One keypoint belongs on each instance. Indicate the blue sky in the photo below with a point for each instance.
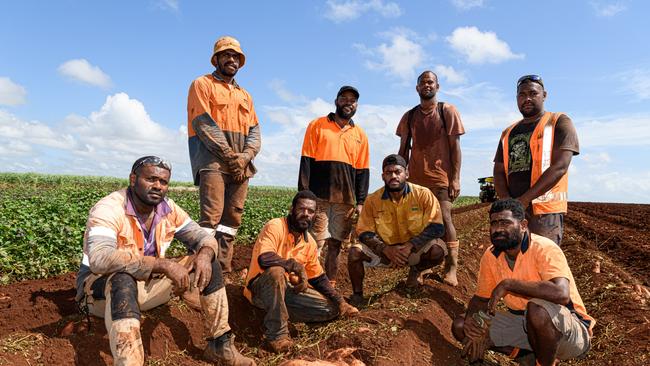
(87, 87)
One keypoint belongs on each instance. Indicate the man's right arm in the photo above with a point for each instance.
(205, 127)
(307, 158)
(103, 255)
(499, 173)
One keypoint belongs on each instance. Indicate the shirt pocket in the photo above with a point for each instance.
(415, 221)
(351, 146)
(244, 115)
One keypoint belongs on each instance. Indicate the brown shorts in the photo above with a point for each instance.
(441, 193)
(507, 329)
(547, 225)
(333, 220)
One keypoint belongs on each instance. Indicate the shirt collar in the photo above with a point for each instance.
(161, 209)
(330, 117)
(386, 194)
(525, 244)
(216, 75)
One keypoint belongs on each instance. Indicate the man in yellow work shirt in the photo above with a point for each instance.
(399, 226)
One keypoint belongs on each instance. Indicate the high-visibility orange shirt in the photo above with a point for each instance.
(276, 237)
(335, 161)
(540, 260)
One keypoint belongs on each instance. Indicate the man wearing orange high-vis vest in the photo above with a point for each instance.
(224, 137)
(532, 161)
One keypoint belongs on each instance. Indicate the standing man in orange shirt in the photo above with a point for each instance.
(335, 166)
(430, 143)
(224, 137)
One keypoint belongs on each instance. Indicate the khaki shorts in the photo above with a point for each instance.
(380, 260)
(333, 220)
(509, 329)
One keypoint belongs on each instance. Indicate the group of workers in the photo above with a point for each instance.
(406, 223)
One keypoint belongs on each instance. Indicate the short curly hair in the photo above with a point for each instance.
(509, 204)
(306, 194)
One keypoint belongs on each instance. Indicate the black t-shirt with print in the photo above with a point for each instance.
(520, 159)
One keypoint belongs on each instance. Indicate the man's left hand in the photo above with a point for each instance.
(454, 189)
(238, 164)
(497, 294)
(202, 265)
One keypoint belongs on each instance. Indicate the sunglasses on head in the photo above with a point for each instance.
(533, 78)
(151, 160)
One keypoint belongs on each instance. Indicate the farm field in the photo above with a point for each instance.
(39, 323)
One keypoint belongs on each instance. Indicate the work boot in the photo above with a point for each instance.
(222, 351)
(413, 280)
(526, 358)
(280, 345)
(126, 343)
(451, 264)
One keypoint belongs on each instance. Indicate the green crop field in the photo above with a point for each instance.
(43, 217)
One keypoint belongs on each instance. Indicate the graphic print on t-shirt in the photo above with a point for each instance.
(519, 150)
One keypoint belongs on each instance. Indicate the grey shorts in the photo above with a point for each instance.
(548, 225)
(507, 329)
(333, 220)
(379, 260)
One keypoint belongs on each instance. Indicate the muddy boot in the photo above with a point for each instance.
(451, 264)
(126, 343)
(222, 351)
(413, 280)
(280, 345)
(526, 358)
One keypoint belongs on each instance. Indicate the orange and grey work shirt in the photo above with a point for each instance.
(335, 161)
(276, 237)
(540, 259)
(114, 240)
(221, 121)
(416, 217)
(430, 159)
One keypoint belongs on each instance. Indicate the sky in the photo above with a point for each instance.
(88, 87)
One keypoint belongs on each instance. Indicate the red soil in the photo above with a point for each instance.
(39, 323)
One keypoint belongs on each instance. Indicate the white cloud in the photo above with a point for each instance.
(104, 143)
(608, 9)
(11, 93)
(400, 57)
(167, 4)
(467, 4)
(632, 130)
(480, 47)
(636, 82)
(81, 70)
(450, 74)
(341, 11)
(278, 87)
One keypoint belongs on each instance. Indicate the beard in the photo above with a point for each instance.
(299, 225)
(506, 240)
(398, 189)
(427, 95)
(342, 114)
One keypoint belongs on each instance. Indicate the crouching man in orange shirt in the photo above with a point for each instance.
(546, 318)
(285, 277)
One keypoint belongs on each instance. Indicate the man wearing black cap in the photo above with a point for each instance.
(532, 160)
(335, 166)
(399, 226)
